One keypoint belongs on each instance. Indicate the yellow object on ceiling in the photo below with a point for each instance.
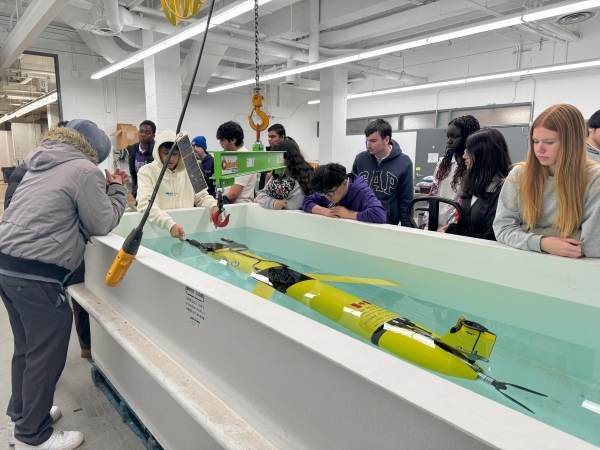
(176, 10)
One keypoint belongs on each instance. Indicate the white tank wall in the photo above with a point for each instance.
(303, 385)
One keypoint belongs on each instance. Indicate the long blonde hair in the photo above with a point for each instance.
(570, 176)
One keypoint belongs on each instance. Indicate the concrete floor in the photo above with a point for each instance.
(84, 406)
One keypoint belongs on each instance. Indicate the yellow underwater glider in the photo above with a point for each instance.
(454, 354)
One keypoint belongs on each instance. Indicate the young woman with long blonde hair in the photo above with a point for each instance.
(551, 202)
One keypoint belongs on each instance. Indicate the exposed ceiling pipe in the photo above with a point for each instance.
(273, 68)
(111, 12)
(356, 79)
(134, 3)
(314, 16)
(561, 32)
(216, 38)
(540, 29)
(284, 41)
(517, 48)
(19, 4)
(267, 49)
(290, 80)
(389, 74)
(104, 46)
(83, 4)
(128, 41)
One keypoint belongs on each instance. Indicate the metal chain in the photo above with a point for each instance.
(256, 86)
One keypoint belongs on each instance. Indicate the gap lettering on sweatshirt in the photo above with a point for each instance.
(380, 182)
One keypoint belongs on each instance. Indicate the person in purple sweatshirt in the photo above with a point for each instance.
(343, 195)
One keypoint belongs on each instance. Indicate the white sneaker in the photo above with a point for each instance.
(55, 413)
(60, 440)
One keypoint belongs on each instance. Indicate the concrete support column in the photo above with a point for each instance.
(314, 16)
(332, 114)
(162, 81)
(53, 116)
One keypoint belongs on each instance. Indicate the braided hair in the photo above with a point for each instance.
(467, 126)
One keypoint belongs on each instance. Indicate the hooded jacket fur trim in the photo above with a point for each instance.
(72, 137)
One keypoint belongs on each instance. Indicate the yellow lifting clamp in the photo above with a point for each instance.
(257, 97)
(257, 100)
(176, 10)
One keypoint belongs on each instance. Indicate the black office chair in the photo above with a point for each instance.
(433, 207)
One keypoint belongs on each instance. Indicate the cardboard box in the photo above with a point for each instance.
(126, 135)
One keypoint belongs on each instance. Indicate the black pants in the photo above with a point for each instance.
(41, 320)
(82, 318)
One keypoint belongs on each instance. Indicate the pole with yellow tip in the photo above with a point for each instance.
(130, 247)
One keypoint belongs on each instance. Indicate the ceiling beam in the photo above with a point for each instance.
(37, 16)
(133, 4)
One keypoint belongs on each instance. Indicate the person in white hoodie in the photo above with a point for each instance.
(175, 190)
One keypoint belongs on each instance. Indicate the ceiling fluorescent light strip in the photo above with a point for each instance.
(223, 15)
(490, 25)
(52, 97)
(478, 79)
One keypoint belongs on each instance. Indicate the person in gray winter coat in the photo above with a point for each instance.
(61, 201)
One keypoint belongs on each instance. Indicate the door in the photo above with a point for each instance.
(517, 141)
(431, 146)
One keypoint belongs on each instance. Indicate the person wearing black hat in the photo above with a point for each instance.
(61, 202)
(207, 161)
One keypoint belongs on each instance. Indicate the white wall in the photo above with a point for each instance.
(25, 139)
(7, 156)
(489, 54)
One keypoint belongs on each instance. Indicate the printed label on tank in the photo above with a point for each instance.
(229, 164)
(372, 317)
(195, 306)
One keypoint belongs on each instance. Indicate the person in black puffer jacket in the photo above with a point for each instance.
(488, 163)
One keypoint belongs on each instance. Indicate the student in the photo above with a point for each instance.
(175, 191)
(551, 202)
(593, 141)
(275, 133)
(341, 195)
(141, 153)
(207, 161)
(287, 191)
(81, 316)
(387, 171)
(450, 169)
(488, 164)
(61, 201)
(231, 138)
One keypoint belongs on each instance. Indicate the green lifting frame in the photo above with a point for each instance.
(229, 165)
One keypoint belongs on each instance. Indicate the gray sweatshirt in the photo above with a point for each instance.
(294, 199)
(508, 223)
(62, 201)
(593, 153)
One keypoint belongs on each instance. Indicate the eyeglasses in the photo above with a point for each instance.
(331, 193)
